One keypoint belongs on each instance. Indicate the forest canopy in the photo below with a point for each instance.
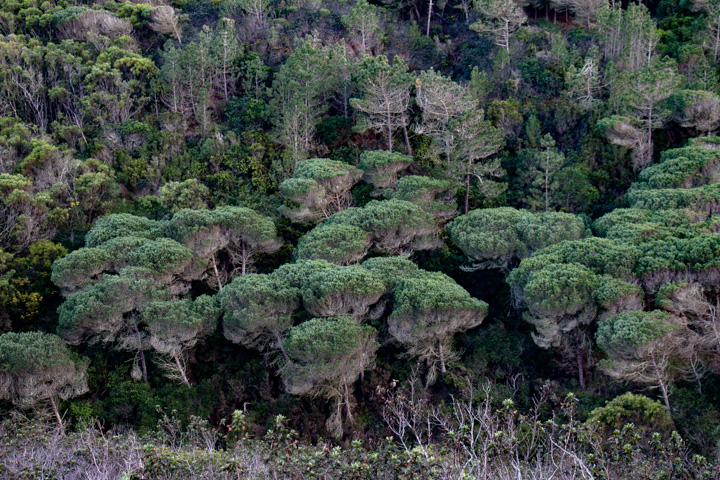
(387, 238)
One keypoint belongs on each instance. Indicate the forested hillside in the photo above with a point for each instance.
(314, 239)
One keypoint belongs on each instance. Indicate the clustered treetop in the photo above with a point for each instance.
(319, 187)
(499, 237)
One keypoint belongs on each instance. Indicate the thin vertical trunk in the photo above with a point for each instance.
(547, 179)
(442, 357)
(244, 259)
(467, 192)
(217, 274)
(57, 415)
(663, 387)
(430, 9)
(346, 398)
(407, 140)
(581, 372)
(389, 125)
(507, 36)
(141, 354)
(181, 370)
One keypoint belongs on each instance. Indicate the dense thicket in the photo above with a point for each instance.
(371, 218)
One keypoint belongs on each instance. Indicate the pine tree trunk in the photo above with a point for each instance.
(143, 365)
(57, 415)
(346, 398)
(407, 140)
(467, 193)
(430, 9)
(581, 372)
(442, 357)
(389, 128)
(663, 387)
(244, 259)
(181, 370)
(217, 274)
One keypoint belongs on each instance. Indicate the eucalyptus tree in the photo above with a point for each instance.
(538, 173)
(299, 96)
(643, 94)
(257, 310)
(326, 357)
(477, 140)
(441, 102)
(318, 188)
(36, 367)
(428, 310)
(164, 20)
(585, 10)
(385, 97)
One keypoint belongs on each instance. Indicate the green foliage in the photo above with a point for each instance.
(319, 187)
(381, 168)
(257, 309)
(428, 309)
(325, 351)
(350, 290)
(391, 270)
(337, 243)
(631, 408)
(624, 333)
(436, 197)
(37, 366)
(498, 237)
(394, 226)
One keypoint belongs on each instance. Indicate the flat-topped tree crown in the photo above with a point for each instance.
(350, 290)
(319, 187)
(499, 237)
(326, 356)
(257, 310)
(122, 225)
(395, 226)
(337, 243)
(241, 232)
(108, 311)
(166, 260)
(436, 197)
(391, 270)
(36, 367)
(652, 348)
(175, 326)
(429, 309)
(381, 168)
